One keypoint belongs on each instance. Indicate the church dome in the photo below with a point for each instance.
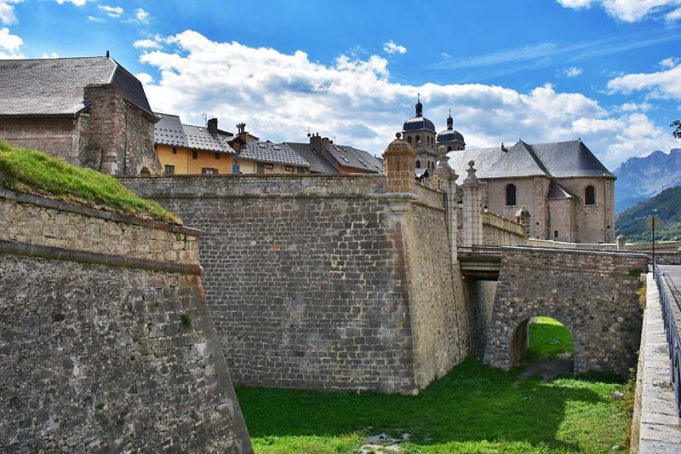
(449, 134)
(419, 122)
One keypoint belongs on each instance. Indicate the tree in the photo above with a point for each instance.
(677, 125)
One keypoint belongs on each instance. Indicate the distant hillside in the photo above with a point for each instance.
(641, 178)
(632, 222)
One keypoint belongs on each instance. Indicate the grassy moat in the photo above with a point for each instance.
(474, 409)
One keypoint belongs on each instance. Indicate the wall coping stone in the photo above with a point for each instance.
(71, 255)
(94, 212)
(574, 251)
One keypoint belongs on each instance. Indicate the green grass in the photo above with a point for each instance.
(548, 338)
(474, 409)
(38, 173)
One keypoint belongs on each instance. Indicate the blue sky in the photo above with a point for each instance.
(608, 71)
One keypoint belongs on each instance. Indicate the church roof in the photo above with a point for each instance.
(54, 86)
(449, 135)
(556, 159)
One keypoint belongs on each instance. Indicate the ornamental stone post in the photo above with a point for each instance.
(472, 215)
(447, 177)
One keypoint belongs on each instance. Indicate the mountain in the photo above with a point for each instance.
(666, 205)
(641, 178)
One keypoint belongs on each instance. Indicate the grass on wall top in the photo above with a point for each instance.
(38, 173)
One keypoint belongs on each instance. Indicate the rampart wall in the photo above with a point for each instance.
(499, 231)
(324, 282)
(107, 343)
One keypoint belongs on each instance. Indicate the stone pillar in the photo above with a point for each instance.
(447, 181)
(472, 211)
(399, 166)
(621, 243)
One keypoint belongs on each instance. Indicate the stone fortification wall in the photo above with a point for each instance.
(499, 231)
(592, 293)
(439, 325)
(106, 351)
(480, 297)
(322, 282)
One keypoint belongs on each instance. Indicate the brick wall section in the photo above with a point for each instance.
(310, 278)
(36, 220)
(592, 293)
(95, 346)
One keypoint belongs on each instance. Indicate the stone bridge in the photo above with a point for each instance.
(593, 293)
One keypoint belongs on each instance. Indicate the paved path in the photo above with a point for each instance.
(672, 275)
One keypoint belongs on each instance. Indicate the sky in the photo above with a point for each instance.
(605, 71)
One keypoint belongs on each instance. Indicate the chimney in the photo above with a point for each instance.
(316, 143)
(325, 143)
(241, 128)
(213, 126)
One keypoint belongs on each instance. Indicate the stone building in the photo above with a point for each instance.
(90, 111)
(563, 192)
(559, 191)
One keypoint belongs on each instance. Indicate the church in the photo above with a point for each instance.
(560, 190)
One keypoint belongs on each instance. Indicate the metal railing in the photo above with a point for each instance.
(668, 299)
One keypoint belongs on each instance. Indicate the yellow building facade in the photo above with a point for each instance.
(184, 161)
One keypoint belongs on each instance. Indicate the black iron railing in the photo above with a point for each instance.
(669, 305)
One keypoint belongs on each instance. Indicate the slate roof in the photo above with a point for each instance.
(556, 159)
(55, 86)
(418, 124)
(275, 153)
(168, 131)
(318, 163)
(357, 159)
(557, 192)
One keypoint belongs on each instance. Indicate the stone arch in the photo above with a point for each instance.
(145, 171)
(518, 340)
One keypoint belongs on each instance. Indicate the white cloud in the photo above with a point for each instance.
(663, 84)
(669, 62)
(74, 2)
(144, 78)
(10, 45)
(573, 71)
(629, 10)
(112, 11)
(633, 107)
(7, 14)
(281, 95)
(95, 19)
(142, 16)
(146, 44)
(673, 15)
(392, 47)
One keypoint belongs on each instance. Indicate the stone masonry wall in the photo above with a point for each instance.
(592, 293)
(499, 231)
(311, 279)
(437, 303)
(59, 136)
(106, 352)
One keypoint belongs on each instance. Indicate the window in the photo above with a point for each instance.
(418, 139)
(409, 139)
(288, 168)
(217, 155)
(590, 196)
(302, 170)
(510, 195)
(209, 171)
(169, 170)
(195, 154)
(260, 169)
(174, 150)
(236, 168)
(555, 234)
(418, 164)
